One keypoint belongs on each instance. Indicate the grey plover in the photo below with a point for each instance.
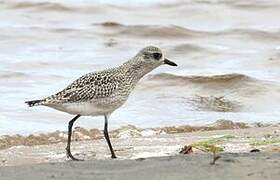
(101, 93)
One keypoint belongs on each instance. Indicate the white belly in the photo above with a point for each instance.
(83, 108)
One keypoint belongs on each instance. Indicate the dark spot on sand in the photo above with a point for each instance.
(230, 160)
(110, 24)
(51, 176)
(250, 174)
(140, 159)
(255, 150)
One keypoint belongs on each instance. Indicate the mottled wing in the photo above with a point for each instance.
(91, 86)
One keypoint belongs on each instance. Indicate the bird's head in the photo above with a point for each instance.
(153, 56)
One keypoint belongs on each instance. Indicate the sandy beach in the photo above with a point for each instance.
(257, 166)
(249, 153)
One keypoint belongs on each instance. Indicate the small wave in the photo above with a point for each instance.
(242, 93)
(172, 31)
(10, 79)
(12, 75)
(252, 33)
(187, 48)
(250, 4)
(150, 30)
(213, 103)
(44, 6)
(201, 79)
(109, 24)
(64, 30)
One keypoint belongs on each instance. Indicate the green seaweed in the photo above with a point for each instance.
(265, 142)
(205, 146)
(212, 145)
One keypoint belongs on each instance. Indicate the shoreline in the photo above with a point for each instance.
(82, 134)
(264, 139)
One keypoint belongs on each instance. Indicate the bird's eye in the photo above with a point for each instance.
(157, 56)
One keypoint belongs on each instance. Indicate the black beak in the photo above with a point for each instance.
(166, 61)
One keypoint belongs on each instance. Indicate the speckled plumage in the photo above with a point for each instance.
(104, 91)
(100, 93)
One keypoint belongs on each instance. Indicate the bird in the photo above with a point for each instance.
(100, 93)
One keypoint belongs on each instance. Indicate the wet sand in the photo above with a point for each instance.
(231, 166)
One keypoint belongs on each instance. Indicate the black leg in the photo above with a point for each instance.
(68, 149)
(107, 138)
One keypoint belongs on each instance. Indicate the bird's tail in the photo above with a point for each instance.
(34, 103)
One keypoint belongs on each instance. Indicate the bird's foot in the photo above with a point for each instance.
(69, 155)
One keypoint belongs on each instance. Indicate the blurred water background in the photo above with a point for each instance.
(228, 52)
